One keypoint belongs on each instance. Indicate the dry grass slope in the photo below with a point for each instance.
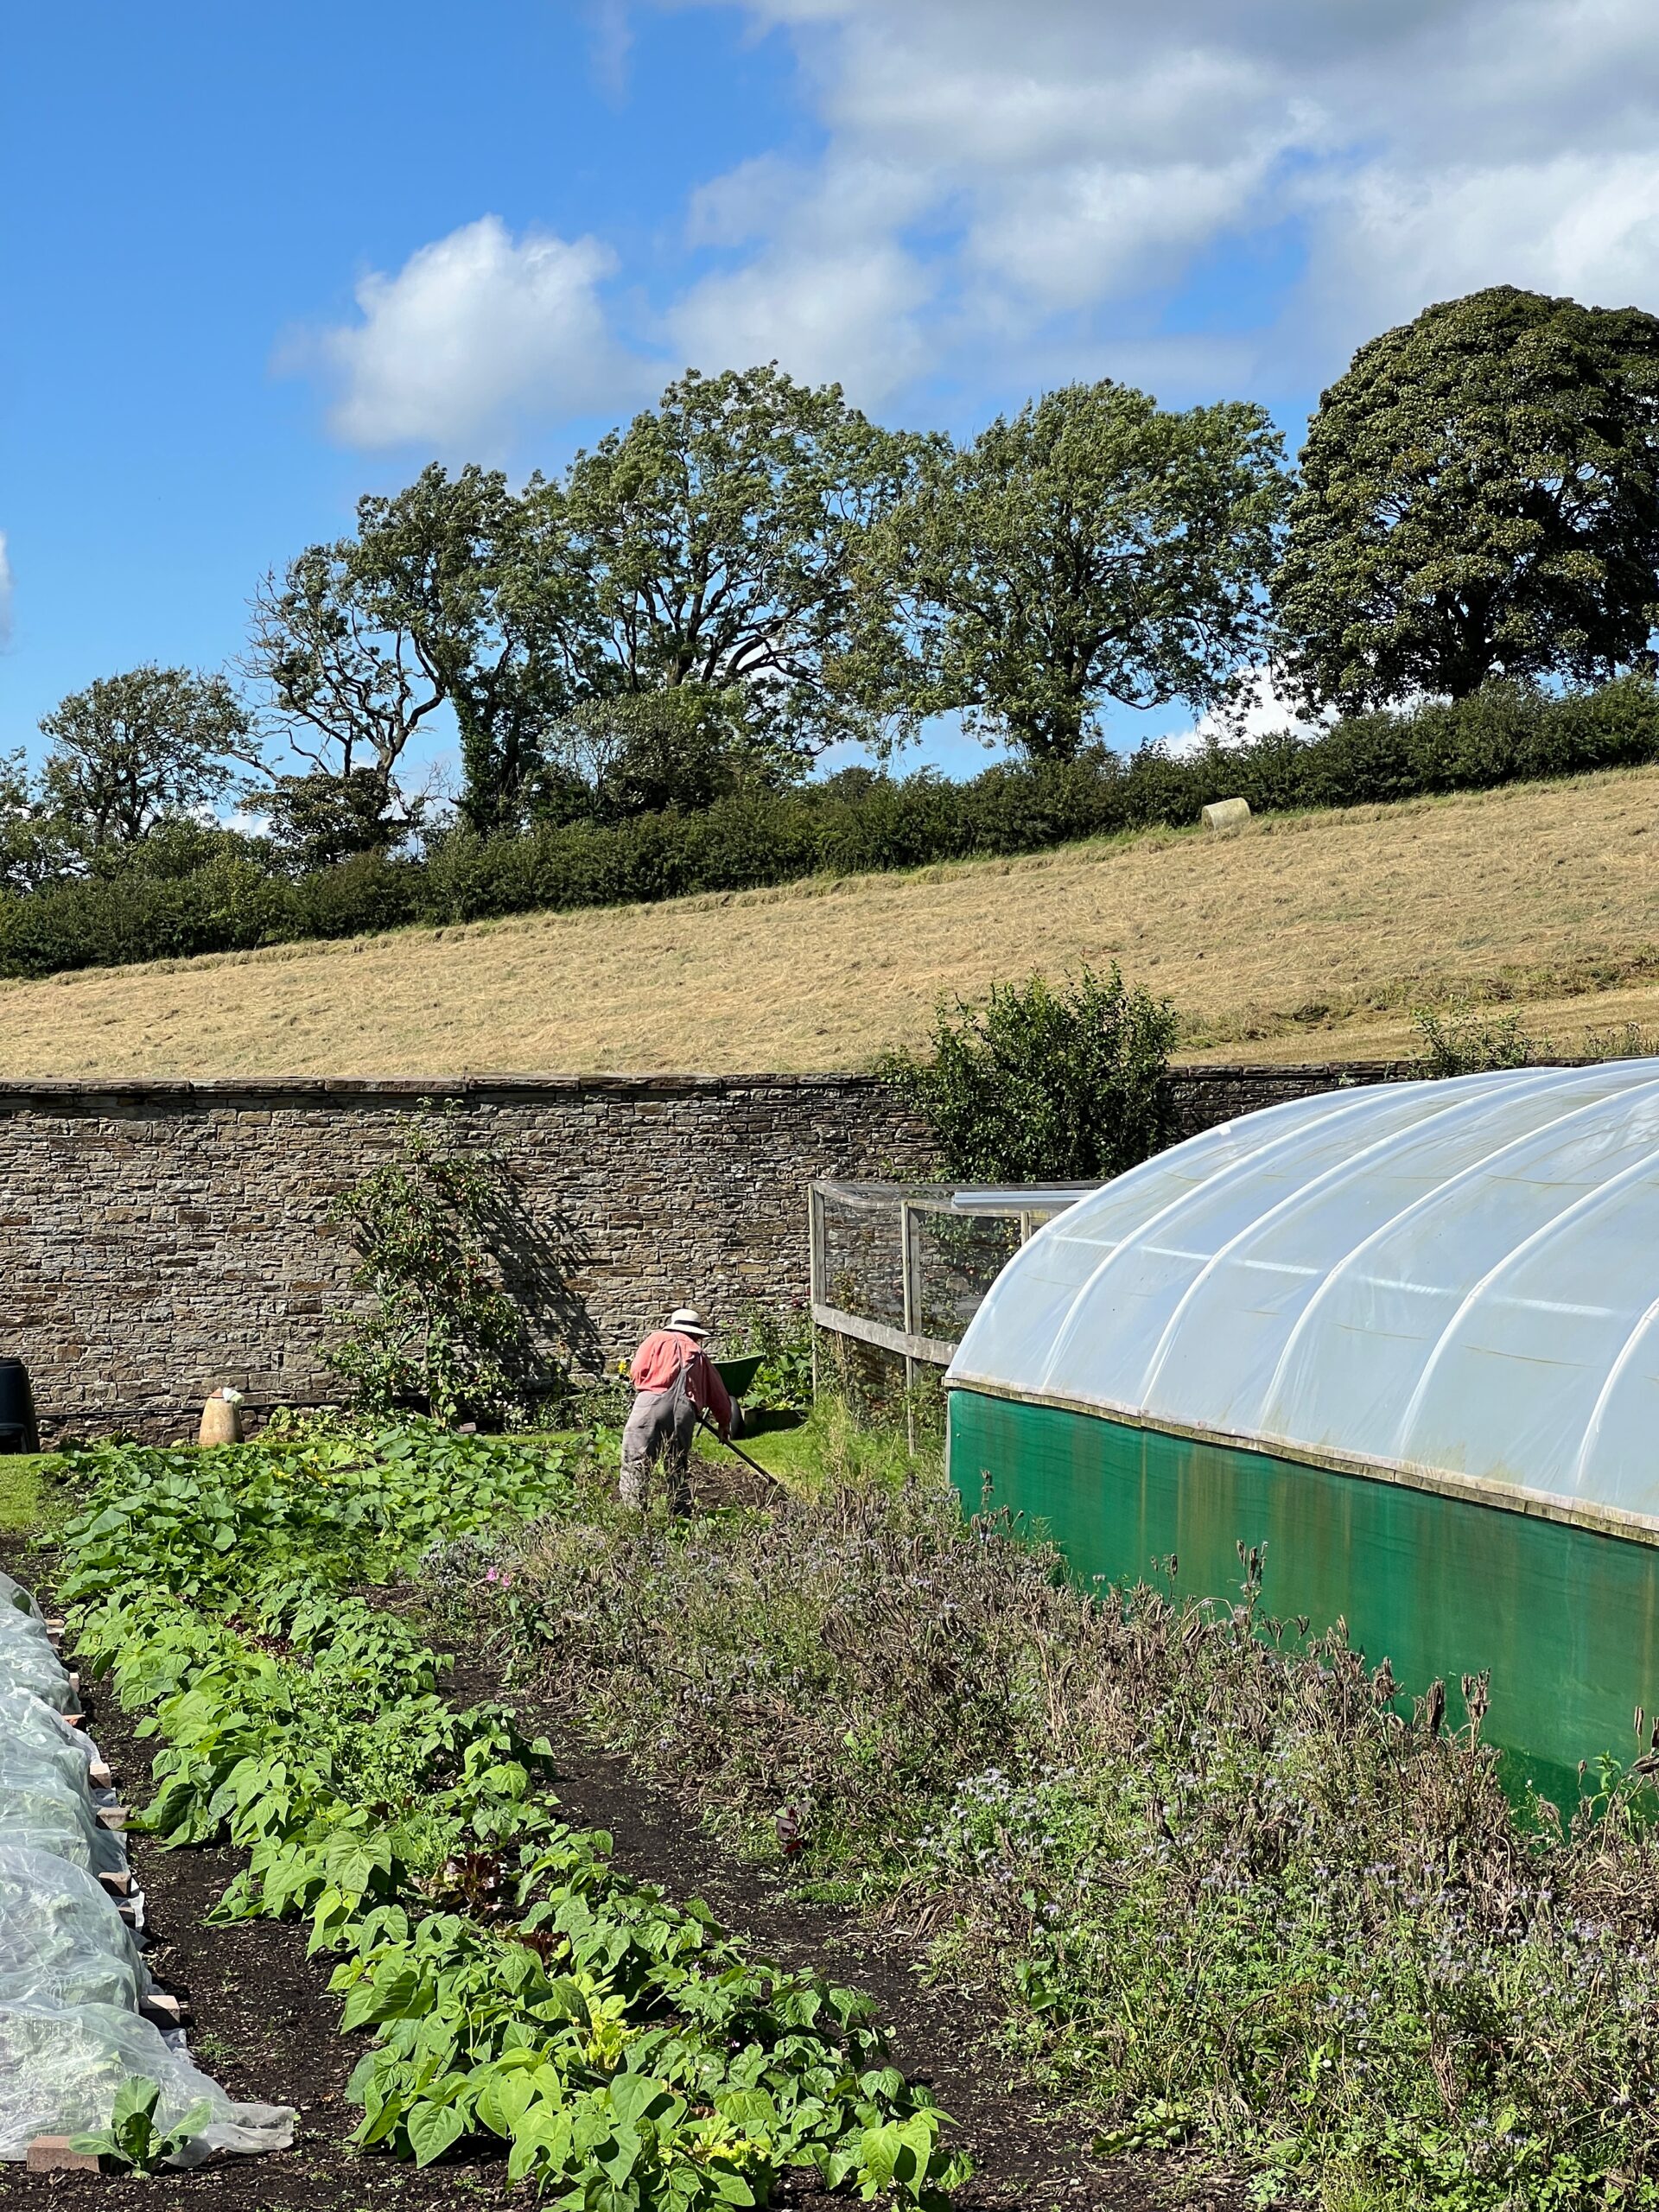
(1305, 936)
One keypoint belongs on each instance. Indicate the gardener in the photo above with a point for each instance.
(675, 1381)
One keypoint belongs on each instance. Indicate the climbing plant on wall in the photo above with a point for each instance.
(437, 1324)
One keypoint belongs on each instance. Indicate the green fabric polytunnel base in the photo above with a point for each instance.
(1566, 1619)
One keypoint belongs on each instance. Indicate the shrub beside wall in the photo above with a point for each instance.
(1502, 735)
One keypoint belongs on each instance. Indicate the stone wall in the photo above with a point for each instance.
(1199, 1098)
(160, 1238)
(157, 1239)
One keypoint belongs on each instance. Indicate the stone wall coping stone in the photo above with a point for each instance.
(165, 1090)
(1288, 1070)
(395, 1089)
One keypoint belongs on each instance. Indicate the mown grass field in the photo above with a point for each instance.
(1304, 937)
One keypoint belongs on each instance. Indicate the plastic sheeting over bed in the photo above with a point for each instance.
(1460, 1276)
(72, 1975)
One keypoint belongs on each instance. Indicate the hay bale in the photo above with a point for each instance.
(1227, 814)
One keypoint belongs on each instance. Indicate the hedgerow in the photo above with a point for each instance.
(514, 1985)
(1235, 1891)
(1502, 733)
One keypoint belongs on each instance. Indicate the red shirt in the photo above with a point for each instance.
(657, 1364)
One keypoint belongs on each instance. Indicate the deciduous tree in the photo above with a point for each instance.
(634, 753)
(499, 611)
(1095, 547)
(720, 532)
(1479, 497)
(345, 677)
(134, 750)
(318, 820)
(37, 847)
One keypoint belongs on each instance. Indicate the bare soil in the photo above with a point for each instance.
(266, 2026)
(1303, 936)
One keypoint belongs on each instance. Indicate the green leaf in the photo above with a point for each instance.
(730, 2188)
(431, 2129)
(635, 2097)
(400, 1995)
(542, 2137)
(504, 2098)
(751, 2110)
(136, 2099)
(351, 1861)
(385, 2122)
(190, 2125)
(624, 2155)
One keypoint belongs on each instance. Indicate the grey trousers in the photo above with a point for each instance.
(660, 1427)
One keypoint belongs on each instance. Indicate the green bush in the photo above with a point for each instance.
(1502, 733)
(1463, 1039)
(1042, 1083)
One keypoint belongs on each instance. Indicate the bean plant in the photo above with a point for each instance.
(513, 1988)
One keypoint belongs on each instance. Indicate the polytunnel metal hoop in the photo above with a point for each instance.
(1420, 1206)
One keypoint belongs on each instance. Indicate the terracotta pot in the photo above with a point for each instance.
(221, 1423)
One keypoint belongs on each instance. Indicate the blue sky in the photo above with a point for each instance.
(258, 262)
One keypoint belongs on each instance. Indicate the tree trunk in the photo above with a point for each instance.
(1055, 734)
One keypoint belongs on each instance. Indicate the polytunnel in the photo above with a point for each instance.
(1405, 1335)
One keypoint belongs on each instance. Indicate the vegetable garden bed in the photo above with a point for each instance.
(513, 1999)
(267, 2025)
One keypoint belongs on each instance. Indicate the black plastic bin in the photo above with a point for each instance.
(18, 1430)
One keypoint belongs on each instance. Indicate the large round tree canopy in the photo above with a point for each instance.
(1479, 498)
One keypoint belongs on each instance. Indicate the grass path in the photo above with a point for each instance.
(23, 1501)
(1306, 937)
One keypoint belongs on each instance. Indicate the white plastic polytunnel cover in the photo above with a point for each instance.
(1458, 1276)
(72, 1980)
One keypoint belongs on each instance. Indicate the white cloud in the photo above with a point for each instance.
(611, 41)
(1263, 711)
(1058, 166)
(1389, 240)
(831, 293)
(475, 332)
(848, 317)
(5, 593)
(1008, 192)
(1100, 230)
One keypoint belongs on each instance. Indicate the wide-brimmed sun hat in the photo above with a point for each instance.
(688, 1322)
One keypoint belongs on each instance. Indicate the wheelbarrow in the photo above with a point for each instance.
(738, 1376)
